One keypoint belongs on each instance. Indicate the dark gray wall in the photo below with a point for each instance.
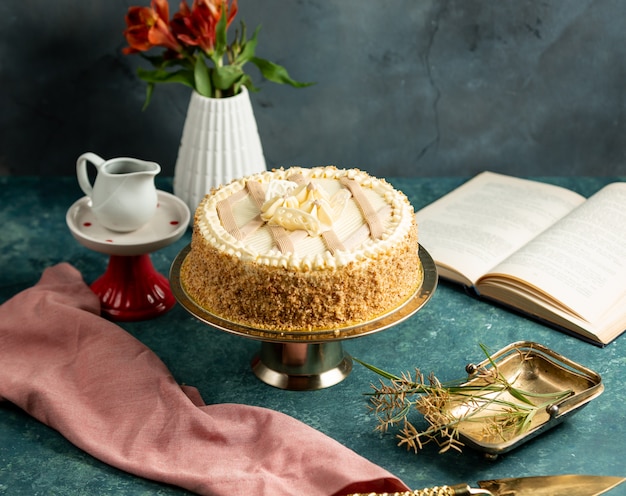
(404, 87)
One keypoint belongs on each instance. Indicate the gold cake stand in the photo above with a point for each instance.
(305, 360)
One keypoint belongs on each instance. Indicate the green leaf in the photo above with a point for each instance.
(488, 355)
(159, 62)
(401, 414)
(517, 394)
(226, 76)
(248, 48)
(276, 73)
(528, 421)
(155, 60)
(246, 81)
(381, 372)
(183, 76)
(202, 78)
(149, 91)
(221, 42)
(160, 76)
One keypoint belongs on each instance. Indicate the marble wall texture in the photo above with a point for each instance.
(403, 87)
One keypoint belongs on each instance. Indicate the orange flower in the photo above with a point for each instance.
(197, 52)
(215, 8)
(148, 27)
(197, 26)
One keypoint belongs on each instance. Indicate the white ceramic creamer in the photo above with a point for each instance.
(123, 196)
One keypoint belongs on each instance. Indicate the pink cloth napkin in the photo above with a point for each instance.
(112, 397)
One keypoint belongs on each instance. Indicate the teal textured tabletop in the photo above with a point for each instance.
(442, 337)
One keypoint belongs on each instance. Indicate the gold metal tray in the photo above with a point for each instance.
(532, 367)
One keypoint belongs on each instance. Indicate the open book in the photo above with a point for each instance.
(538, 248)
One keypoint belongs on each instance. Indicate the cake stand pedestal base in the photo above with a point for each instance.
(302, 366)
(131, 289)
(303, 360)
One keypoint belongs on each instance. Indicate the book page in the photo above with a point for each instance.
(479, 224)
(581, 260)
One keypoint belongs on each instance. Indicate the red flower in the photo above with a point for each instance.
(197, 26)
(197, 52)
(148, 27)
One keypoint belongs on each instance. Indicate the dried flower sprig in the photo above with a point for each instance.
(486, 397)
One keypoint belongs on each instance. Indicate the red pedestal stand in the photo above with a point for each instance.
(131, 289)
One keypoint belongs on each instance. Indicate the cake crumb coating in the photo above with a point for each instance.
(277, 298)
(288, 298)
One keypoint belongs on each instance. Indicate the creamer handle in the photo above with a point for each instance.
(81, 170)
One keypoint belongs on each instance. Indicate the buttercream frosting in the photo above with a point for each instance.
(305, 218)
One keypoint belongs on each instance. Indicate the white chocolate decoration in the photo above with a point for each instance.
(306, 207)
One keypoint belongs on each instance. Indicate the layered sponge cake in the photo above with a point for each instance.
(303, 249)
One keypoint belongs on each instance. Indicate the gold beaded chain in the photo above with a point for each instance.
(457, 490)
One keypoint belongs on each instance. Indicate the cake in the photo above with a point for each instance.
(303, 249)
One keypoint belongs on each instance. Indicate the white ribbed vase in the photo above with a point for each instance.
(220, 142)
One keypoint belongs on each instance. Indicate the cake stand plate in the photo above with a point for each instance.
(305, 359)
(131, 289)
